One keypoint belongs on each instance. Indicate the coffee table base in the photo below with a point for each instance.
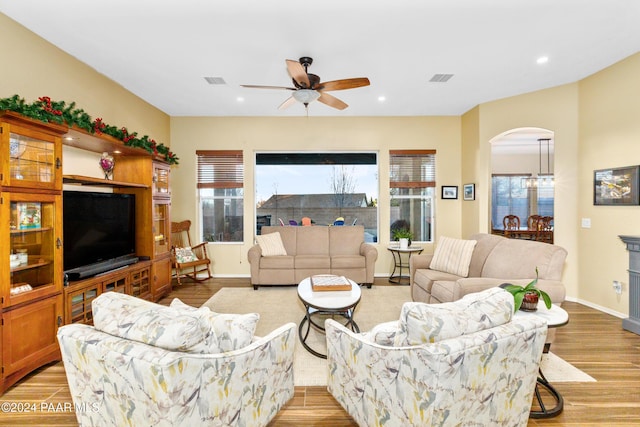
(308, 321)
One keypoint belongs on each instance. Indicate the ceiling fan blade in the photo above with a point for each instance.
(268, 87)
(332, 101)
(298, 73)
(287, 103)
(344, 84)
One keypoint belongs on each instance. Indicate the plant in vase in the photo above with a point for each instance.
(526, 297)
(404, 236)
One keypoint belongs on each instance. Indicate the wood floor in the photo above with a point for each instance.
(592, 341)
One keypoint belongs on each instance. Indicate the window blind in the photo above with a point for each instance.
(220, 168)
(412, 168)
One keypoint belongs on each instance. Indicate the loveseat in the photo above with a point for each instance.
(287, 255)
(492, 261)
(467, 362)
(144, 364)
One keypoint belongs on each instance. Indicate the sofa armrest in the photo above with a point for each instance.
(253, 255)
(417, 262)
(464, 286)
(370, 254)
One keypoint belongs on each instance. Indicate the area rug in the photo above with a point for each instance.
(279, 305)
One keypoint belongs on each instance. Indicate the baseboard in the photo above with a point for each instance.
(598, 307)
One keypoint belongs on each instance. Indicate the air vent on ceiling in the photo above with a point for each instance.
(440, 78)
(215, 80)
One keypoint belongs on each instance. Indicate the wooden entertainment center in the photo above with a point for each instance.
(34, 297)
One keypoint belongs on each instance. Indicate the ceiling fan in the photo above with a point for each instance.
(308, 88)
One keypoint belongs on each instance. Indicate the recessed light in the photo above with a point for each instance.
(240, 99)
(382, 98)
(542, 60)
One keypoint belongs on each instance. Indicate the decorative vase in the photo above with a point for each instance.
(529, 302)
(106, 164)
(404, 243)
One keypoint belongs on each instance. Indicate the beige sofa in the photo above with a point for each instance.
(495, 260)
(339, 250)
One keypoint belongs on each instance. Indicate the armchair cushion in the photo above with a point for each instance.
(227, 332)
(422, 323)
(271, 244)
(172, 328)
(453, 256)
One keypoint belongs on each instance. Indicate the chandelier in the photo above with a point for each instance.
(543, 180)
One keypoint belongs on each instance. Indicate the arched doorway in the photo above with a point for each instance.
(522, 184)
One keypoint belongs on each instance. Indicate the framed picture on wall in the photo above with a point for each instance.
(616, 186)
(469, 192)
(449, 191)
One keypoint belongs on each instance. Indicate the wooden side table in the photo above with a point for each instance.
(399, 264)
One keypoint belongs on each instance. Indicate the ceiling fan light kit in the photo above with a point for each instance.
(308, 87)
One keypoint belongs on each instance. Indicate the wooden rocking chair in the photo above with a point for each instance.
(185, 256)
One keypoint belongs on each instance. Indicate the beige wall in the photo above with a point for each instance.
(33, 68)
(553, 109)
(609, 127)
(313, 133)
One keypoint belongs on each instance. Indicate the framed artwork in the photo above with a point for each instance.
(616, 186)
(449, 191)
(469, 192)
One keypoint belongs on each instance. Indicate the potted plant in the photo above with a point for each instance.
(404, 236)
(526, 297)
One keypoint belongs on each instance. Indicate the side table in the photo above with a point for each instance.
(555, 317)
(399, 264)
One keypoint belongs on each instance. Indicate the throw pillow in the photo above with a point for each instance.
(185, 255)
(271, 244)
(453, 256)
(422, 323)
(227, 332)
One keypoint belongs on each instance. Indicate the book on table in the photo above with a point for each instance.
(330, 282)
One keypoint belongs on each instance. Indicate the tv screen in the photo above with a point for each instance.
(97, 227)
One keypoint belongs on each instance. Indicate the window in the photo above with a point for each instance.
(320, 186)
(221, 193)
(510, 197)
(412, 181)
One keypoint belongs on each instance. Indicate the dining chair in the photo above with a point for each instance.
(545, 230)
(511, 224)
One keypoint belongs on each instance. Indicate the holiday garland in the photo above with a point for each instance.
(48, 111)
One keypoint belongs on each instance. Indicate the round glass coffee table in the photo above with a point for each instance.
(323, 304)
(555, 317)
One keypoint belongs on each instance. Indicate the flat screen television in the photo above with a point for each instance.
(99, 232)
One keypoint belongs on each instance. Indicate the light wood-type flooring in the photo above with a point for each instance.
(592, 341)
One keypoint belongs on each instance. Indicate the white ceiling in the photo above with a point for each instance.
(161, 50)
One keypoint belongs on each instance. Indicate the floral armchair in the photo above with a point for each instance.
(466, 362)
(146, 364)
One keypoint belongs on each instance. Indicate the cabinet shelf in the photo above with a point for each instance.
(30, 265)
(29, 230)
(88, 180)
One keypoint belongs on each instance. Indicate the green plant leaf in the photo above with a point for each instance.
(517, 300)
(545, 296)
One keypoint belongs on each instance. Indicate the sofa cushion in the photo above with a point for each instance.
(422, 323)
(518, 259)
(277, 262)
(345, 240)
(227, 331)
(271, 244)
(348, 261)
(453, 256)
(312, 261)
(312, 241)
